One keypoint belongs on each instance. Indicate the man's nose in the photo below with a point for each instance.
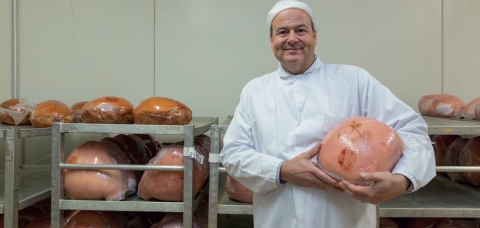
(292, 37)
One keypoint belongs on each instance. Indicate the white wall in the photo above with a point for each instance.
(5, 60)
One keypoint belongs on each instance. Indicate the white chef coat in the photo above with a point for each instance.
(281, 115)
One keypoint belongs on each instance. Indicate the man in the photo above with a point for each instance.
(282, 117)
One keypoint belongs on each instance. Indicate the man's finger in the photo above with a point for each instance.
(314, 151)
(373, 177)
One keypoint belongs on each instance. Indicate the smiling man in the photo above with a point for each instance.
(277, 129)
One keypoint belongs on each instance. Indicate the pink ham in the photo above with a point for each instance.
(440, 105)
(93, 219)
(238, 191)
(168, 185)
(440, 147)
(452, 158)
(470, 156)
(477, 111)
(359, 144)
(468, 111)
(95, 184)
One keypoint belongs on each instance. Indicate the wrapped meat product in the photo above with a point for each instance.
(238, 191)
(93, 219)
(452, 158)
(477, 111)
(423, 222)
(16, 111)
(440, 147)
(162, 111)
(108, 110)
(122, 158)
(95, 184)
(359, 144)
(135, 146)
(470, 156)
(440, 105)
(468, 111)
(48, 112)
(44, 222)
(77, 109)
(168, 185)
(150, 144)
(387, 223)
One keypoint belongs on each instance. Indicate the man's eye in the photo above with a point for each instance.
(282, 33)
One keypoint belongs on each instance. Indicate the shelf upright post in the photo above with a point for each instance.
(12, 173)
(213, 194)
(58, 146)
(188, 177)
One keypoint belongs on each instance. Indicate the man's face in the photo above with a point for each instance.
(293, 40)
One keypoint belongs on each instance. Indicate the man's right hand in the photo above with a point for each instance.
(301, 171)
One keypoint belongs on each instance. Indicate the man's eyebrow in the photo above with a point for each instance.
(284, 27)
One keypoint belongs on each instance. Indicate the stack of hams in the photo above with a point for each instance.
(449, 106)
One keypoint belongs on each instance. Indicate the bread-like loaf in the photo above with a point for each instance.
(359, 144)
(51, 111)
(15, 111)
(440, 105)
(108, 110)
(77, 109)
(162, 111)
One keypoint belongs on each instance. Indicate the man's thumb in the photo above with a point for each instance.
(314, 151)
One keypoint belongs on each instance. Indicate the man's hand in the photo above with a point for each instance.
(301, 171)
(385, 186)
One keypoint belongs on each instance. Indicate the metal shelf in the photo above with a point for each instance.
(443, 126)
(22, 185)
(197, 126)
(440, 198)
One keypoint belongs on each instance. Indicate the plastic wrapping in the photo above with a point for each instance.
(477, 111)
(468, 111)
(470, 156)
(237, 191)
(96, 184)
(359, 144)
(93, 219)
(77, 109)
(48, 112)
(440, 105)
(162, 111)
(16, 111)
(168, 185)
(108, 110)
(452, 158)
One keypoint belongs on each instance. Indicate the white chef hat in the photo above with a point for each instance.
(288, 4)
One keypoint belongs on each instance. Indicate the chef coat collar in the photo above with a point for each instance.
(317, 64)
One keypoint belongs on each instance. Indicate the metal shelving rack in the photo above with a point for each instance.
(24, 184)
(440, 198)
(219, 202)
(197, 126)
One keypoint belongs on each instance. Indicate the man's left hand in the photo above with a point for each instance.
(385, 186)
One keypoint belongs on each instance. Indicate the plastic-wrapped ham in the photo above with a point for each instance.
(77, 109)
(359, 144)
(162, 111)
(441, 143)
(16, 111)
(93, 219)
(452, 158)
(48, 112)
(168, 185)
(96, 184)
(468, 111)
(477, 111)
(440, 105)
(108, 110)
(470, 156)
(238, 191)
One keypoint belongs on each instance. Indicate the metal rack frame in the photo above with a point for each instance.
(197, 126)
(454, 199)
(16, 196)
